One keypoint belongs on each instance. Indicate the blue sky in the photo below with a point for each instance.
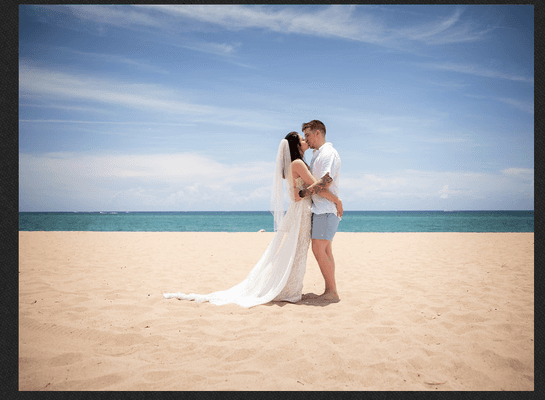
(182, 108)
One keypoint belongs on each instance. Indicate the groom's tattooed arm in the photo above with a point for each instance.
(322, 184)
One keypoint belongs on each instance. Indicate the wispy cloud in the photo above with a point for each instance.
(446, 139)
(68, 121)
(115, 58)
(116, 15)
(475, 70)
(69, 108)
(525, 106)
(142, 19)
(342, 21)
(447, 84)
(222, 49)
(137, 96)
(334, 21)
(349, 22)
(429, 31)
(140, 96)
(521, 105)
(449, 30)
(225, 50)
(127, 94)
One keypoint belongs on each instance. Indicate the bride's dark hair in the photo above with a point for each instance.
(294, 143)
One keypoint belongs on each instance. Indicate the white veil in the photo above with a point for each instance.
(282, 173)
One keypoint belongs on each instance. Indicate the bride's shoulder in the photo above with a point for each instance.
(299, 168)
(298, 163)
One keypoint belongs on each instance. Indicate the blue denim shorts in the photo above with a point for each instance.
(324, 226)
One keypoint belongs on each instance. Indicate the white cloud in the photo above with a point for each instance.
(526, 174)
(436, 190)
(187, 181)
(154, 182)
(444, 192)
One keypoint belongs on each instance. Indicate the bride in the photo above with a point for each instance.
(278, 275)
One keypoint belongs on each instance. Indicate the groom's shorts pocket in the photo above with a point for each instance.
(324, 226)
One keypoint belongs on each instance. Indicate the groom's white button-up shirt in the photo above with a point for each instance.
(325, 159)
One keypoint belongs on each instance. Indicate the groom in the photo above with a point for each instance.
(325, 221)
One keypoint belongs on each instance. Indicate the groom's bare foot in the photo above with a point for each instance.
(329, 296)
(308, 296)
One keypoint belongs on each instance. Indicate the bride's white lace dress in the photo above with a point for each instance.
(279, 273)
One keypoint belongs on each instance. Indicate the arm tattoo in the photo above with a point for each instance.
(316, 187)
(313, 189)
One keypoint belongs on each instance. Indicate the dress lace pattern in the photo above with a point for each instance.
(279, 273)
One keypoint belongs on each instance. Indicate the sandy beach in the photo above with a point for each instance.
(418, 312)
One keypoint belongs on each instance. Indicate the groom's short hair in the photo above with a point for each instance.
(313, 125)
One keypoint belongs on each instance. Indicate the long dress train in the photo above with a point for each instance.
(278, 275)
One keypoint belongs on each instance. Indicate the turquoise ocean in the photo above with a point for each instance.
(253, 221)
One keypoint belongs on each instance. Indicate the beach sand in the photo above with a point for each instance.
(418, 311)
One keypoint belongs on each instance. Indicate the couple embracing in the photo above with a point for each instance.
(313, 215)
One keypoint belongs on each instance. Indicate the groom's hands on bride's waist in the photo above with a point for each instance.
(322, 184)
